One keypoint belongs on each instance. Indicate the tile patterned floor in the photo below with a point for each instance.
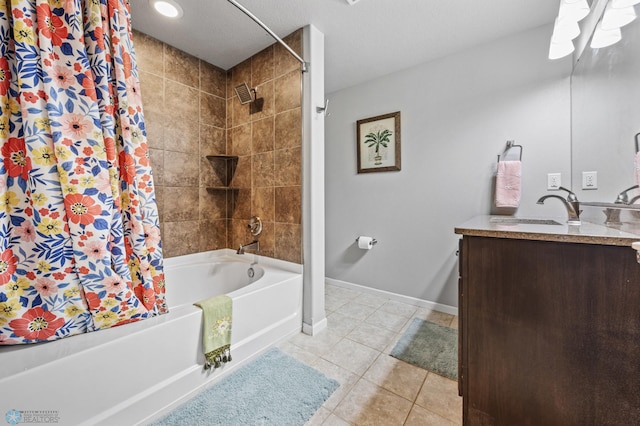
(375, 388)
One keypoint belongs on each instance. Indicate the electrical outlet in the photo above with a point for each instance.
(589, 180)
(554, 181)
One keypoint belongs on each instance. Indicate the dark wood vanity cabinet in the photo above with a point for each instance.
(549, 333)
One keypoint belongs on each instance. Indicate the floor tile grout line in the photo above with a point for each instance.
(401, 396)
(352, 296)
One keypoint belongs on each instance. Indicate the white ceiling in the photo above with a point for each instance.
(363, 41)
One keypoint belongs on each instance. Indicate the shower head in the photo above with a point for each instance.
(244, 93)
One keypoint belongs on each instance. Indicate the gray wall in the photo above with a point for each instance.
(457, 113)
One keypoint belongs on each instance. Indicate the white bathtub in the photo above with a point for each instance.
(133, 373)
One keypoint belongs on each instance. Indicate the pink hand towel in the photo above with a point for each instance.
(636, 164)
(508, 184)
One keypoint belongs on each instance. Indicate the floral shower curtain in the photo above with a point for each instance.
(80, 245)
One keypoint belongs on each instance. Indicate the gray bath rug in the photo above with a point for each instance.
(430, 346)
(275, 389)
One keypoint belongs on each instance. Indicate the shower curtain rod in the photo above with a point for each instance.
(271, 33)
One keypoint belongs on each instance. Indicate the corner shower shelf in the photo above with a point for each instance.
(226, 172)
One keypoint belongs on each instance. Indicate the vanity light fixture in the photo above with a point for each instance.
(574, 9)
(618, 4)
(565, 30)
(566, 27)
(603, 38)
(617, 14)
(560, 50)
(617, 17)
(168, 8)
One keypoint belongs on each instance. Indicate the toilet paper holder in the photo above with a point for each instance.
(373, 242)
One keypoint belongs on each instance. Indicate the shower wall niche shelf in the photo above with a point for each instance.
(224, 166)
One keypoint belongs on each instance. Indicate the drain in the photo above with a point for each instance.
(251, 272)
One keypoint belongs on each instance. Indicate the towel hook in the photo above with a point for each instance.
(637, 143)
(323, 109)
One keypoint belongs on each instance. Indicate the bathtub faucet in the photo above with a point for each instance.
(254, 245)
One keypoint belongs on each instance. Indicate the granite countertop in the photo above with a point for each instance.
(586, 233)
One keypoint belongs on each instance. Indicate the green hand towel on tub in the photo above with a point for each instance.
(216, 333)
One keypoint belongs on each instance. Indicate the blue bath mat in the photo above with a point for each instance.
(275, 389)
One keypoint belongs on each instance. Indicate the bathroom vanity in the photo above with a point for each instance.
(549, 324)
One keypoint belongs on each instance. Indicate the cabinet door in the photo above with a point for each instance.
(552, 333)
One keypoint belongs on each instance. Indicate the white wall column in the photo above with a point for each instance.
(313, 315)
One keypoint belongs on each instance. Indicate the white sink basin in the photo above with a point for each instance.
(522, 221)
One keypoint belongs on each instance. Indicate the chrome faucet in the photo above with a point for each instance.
(571, 203)
(254, 245)
(613, 215)
(623, 197)
(635, 213)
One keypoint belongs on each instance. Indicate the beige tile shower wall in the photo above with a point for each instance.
(184, 102)
(269, 145)
(191, 111)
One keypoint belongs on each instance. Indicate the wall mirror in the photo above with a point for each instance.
(605, 116)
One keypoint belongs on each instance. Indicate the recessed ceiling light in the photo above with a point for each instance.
(168, 8)
(352, 2)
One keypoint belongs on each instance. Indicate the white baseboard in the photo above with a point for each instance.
(314, 329)
(394, 296)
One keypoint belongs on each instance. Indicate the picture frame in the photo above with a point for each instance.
(378, 143)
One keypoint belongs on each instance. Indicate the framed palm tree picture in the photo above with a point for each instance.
(378, 142)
